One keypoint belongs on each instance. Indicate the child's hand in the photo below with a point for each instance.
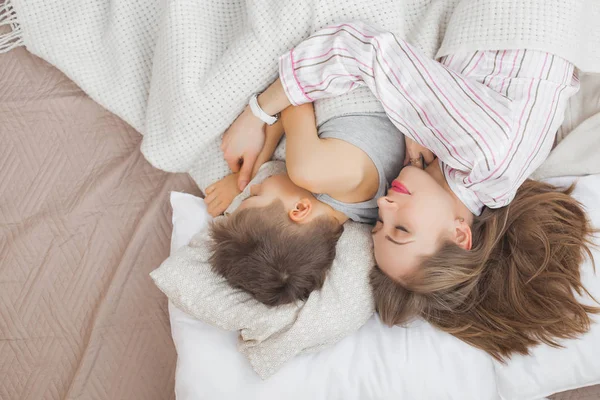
(219, 195)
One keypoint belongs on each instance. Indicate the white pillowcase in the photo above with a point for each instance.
(377, 362)
(550, 370)
(271, 336)
(374, 363)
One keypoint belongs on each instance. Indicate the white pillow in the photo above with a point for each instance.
(375, 362)
(271, 336)
(379, 362)
(549, 370)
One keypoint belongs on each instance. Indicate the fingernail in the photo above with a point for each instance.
(243, 185)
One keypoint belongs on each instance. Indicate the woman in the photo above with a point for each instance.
(450, 246)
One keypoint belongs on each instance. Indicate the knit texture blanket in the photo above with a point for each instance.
(180, 71)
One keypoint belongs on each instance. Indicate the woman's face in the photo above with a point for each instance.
(414, 218)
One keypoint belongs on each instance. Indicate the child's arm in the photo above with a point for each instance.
(329, 166)
(220, 194)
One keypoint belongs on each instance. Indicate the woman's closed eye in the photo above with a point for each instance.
(379, 225)
(401, 228)
(400, 237)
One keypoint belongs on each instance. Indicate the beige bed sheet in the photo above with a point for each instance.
(83, 220)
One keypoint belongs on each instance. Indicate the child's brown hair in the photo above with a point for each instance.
(515, 289)
(263, 252)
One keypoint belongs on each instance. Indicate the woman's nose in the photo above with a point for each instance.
(386, 203)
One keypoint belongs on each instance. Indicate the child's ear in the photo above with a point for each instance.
(301, 210)
(463, 237)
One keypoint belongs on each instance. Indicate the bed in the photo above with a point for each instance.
(83, 220)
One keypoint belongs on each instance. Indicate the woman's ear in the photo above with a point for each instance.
(463, 237)
(301, 210)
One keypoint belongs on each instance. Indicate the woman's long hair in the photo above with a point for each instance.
(517, 287)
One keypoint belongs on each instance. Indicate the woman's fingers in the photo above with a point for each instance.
(428, 156)
(418, 162)
(417, 155)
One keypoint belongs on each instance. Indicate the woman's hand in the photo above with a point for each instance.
(417, 155)
(242, 143)
(245, 138)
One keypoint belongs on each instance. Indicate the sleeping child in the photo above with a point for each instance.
(279, 243)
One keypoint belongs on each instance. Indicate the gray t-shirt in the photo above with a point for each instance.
(374, 134)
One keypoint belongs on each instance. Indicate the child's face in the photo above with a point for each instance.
(276, 187)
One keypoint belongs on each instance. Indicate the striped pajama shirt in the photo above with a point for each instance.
(489, 116)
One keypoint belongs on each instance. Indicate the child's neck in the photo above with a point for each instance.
(332, 212)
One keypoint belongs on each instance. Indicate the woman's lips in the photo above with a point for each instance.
(399, 188)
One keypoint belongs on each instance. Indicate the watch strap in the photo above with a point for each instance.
(260, 113)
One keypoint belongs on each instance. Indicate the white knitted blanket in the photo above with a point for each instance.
(179, 71)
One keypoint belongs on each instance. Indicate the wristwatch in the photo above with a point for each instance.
(260, 113)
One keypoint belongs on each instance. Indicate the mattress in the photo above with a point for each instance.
(83, 220)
